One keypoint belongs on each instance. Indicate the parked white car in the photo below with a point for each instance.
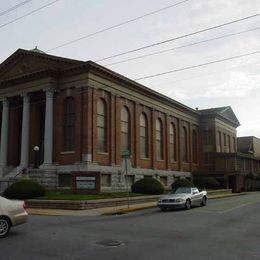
(12, 213)
(183, 198)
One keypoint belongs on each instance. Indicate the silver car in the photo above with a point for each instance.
(12, 213)
(183, 198)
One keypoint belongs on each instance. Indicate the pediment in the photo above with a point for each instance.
(229, 114)
(24, 62)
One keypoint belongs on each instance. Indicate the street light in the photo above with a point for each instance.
(36, 157)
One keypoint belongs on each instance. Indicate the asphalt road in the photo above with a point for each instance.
(225, 229)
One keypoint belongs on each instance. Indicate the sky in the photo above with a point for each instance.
(234, 82)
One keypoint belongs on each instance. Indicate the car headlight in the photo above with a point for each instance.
(179, 200)
(159, 201)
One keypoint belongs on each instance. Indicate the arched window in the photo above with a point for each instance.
(172, 143)
(101, 126)
(159, 139)
(184, 144)
(194, 147)
(143, 136)
(125, 129)
(69, 124)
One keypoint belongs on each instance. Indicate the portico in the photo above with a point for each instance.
(23, 146)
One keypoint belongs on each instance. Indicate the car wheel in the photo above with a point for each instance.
(163, 209)
(203, 202)
(187, 204)
(4, 226)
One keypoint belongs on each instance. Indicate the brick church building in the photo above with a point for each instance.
(81, 116)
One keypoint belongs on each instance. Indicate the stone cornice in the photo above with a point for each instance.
(93, 67)
(28, 77)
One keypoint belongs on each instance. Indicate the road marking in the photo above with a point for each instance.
(230, 209)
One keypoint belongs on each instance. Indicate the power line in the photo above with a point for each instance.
(208, 74)
(198, 65)
(32, 12)
(117, 25)
(14, 7)
(180, 37)
(183, 46)
(114, 84)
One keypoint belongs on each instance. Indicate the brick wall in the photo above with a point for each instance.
(86, 132)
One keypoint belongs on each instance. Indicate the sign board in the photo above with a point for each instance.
(86, 182)
(125, 154)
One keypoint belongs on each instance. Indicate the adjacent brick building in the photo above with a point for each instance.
(82, 116)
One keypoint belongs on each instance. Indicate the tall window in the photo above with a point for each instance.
(125, 129)
(159, 139)
(229, 143)
(225, 140)
(194, 147)
(234, 144)
(69, 124)
(101, 126)
(143, 136)
(207, 136)
(184, 144)
(172, 143)
(219, 141)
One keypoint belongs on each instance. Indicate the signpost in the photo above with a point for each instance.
(126, 154)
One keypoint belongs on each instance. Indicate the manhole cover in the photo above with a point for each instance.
(109, 243)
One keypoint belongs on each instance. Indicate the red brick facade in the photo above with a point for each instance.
(86, 83)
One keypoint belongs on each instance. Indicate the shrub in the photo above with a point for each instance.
(24, 189)
(223, 182)
(148, 186)
(207, 182)
(181, 183)
(250, 176)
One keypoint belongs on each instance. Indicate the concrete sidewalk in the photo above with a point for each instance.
(109, 210)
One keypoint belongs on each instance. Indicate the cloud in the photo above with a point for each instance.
(250, 126)
(239, 85)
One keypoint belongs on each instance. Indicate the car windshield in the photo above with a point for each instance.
(182, 190)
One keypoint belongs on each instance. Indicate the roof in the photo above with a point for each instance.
(37, 50)
(76, 66)
(225, 112)
(215, 110)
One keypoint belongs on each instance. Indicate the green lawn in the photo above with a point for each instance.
(63, 195)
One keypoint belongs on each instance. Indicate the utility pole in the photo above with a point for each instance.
(126, 154)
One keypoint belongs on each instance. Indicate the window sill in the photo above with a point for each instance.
(145, 159)
(160, 160)
(68, 152)
(102, 153)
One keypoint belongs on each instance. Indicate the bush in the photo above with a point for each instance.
(207, 182)
(223, 182)
(250, 176)
(181, 183)
(148, 186)
(24, 189)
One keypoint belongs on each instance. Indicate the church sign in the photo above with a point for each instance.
(86, 182)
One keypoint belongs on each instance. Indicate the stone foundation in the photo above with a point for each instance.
(117, 181)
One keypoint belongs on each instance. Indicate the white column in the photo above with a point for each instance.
(4, 134)
(48, 130)
(25, 131)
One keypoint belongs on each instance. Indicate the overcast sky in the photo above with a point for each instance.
(235, 82)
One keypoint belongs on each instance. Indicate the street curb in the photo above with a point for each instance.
(128, 210)
(108, 211)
